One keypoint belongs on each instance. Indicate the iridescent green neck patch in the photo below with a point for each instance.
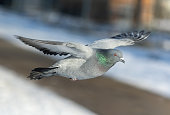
(102, 59)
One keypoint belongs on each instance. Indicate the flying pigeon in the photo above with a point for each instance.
(84, 61)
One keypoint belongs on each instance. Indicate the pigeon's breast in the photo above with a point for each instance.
(93, 68)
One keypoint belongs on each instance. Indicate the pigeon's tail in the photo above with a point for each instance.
(39, 73)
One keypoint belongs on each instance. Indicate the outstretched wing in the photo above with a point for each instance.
(60, 48)
(123, 39)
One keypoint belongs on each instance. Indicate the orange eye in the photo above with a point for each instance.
(115, 54)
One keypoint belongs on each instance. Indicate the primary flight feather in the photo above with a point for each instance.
(85, 61)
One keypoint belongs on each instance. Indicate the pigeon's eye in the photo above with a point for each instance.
(115, 54)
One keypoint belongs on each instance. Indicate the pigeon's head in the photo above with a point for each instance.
(109, 57)
(117, 55)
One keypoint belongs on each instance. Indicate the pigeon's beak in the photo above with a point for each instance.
(122, 60)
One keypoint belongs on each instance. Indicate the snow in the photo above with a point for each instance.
(144, 68)
(20, 97)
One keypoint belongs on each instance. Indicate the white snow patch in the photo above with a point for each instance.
(20, 97)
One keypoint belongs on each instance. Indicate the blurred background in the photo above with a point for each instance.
(139, 87)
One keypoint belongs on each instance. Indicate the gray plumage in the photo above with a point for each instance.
(85, 61)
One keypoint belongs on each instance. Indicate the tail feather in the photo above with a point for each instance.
(40, 69)
(39, 73)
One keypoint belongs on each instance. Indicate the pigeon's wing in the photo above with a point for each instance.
(60, 48)
(123, 39)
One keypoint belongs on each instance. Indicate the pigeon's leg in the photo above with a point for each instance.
(74, 79)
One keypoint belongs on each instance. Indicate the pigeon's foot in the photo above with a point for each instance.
(74, 79)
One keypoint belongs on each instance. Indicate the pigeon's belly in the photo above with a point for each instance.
(79, 68)
(70, 67)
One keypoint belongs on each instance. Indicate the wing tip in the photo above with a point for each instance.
(18, 37)
(141, 35)
(134, 35)
(137, 36)
(23, 39)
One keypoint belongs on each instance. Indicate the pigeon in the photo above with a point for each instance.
(83, 61)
